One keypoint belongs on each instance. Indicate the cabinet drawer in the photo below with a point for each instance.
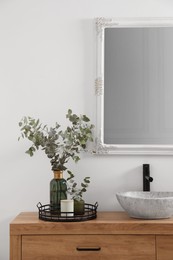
(115, 247)
(164, 246)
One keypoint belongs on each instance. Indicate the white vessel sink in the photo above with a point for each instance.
(147, 205)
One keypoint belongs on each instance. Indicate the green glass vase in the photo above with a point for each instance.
(58, 190)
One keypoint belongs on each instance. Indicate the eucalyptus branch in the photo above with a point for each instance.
(73, 189)
(59, 146)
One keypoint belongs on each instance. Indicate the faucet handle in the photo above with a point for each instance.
(150, 179)
(146, 177)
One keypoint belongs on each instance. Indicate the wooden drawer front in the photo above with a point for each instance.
(115, 247)
(164, 247)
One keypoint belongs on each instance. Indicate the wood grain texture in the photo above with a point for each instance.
(15, 247)
(106, 223)
(164, 247)
(113, 247)
(118, 236)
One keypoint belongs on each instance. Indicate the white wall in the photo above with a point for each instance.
(47, 65)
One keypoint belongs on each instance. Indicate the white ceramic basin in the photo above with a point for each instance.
(147, 205)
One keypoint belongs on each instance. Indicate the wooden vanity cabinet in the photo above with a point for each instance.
(164, 247)
(88, 247)
(113, 236)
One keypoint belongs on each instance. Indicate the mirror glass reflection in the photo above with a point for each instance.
(138, 85)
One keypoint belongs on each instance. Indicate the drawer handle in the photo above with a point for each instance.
(97, 248)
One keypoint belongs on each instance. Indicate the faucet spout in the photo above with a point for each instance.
(146, 177)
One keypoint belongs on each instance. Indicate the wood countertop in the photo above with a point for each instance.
(105, 223)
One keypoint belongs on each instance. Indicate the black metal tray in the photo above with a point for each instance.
(47, 213)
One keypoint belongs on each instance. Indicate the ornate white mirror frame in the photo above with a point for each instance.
(101, 147)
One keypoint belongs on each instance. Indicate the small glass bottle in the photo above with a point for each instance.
(58, 190)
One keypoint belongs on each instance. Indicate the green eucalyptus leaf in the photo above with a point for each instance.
(69, 111)
(87, 181)
(85, 118)
(59, 146)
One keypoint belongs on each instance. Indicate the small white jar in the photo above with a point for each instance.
(67, 206)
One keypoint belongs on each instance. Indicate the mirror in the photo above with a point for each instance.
(134, 86)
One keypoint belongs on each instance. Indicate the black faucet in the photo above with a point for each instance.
(146, 177)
